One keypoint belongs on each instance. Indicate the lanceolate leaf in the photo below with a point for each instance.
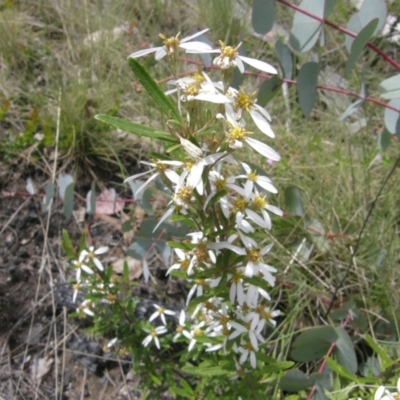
(306, 86)
(153, 89)
(359, 43)
(369, 10)
(285, 59)
(263, 15)
(137, 129)
(293, 202)
(390, 88)
(306, 30)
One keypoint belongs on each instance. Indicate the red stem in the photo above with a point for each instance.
(372, 46)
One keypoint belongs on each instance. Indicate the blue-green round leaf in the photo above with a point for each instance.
(307, 82)
(263, 15)
(369, 10)
(384, 139)
(306, 30)
(392, 117)
(359, 43)
(329, 4)
(313, 344)
(390, 88)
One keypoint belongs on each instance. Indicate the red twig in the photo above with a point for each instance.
(372, 46)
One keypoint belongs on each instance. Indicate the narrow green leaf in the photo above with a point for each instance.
(390, 88)
(342, 312)
(313, 344)
(359, 43)
(67, 245)
(68, 205)
(340, 369)
(392, 117)
(268, 90)
(263, 15)
(285, 59)
(345, 352)
(305, 31)
(369, 10)
(306, 86)
(137, 129)
(293, 202)
(153, 89)
(207, 371)
(378, 350)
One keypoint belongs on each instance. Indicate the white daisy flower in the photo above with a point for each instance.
(229, 57)
(153, 336)
(252, 178)
(243, 102)
(172, 44)
(91, 253)
(161, 312)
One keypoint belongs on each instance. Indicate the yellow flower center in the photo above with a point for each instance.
(237, 133)
(180, 328)
(185, 265)
(160, 167)
(192, 90)
(171, 44)
(249, 346)
(254, 255)
(252, 176)
(185, 194)
(259, 202)
(201, 252)
(240, 204)
(198, 77)
(245, 101)
(229, 51)
(220, 183)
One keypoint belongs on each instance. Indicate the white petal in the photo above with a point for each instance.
(265, 183)
(160, 53)
(144, 52)
(164, 217)
(257, 219)
(275, 210)
(262, 111)
(263, 149)
(266, 249)
(98, 264)
(379, 392)
(253, 361)
(146, 271)
(240, 64)
(131, 178)
(87, 269)
(187, 38)
(260, 65)
(216, 98)
(146, 183)
(232, 292)
(248, 188)
(262, 124)
(101, 250)
(195, 174)
(195, 47)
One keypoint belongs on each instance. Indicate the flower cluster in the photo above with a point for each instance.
(224, 260)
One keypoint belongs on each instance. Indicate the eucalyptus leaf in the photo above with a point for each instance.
(392, 117)
(307, 82)
(384, 139)
(353, 107)
(359, 43)
(329, 4)
(137, 129)
(390, 88)
(305, 31)
(369, 10)
(91, 200)
(285, 59)
(163, 102)
(268, 90)
(263, 15)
